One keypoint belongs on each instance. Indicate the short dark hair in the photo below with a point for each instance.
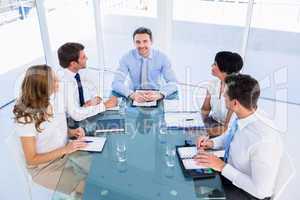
(243, 88)
(229, 62)
(142, 30)
(69, 52)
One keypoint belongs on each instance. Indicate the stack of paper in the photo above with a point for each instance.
(184, 120)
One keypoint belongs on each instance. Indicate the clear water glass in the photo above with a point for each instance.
(121, 151)
(170, 155)
(90, 128)
(122, 106)
(163, 131)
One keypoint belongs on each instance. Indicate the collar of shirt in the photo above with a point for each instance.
(69, 73)
(138, 56)
(242, 123)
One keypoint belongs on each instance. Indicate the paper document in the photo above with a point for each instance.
(191, 164)
(187, 152)
(190, 152)
(218, 153)
(183, 120)
(94, 143)
(116, 108)
(145, 104)
(110, 130)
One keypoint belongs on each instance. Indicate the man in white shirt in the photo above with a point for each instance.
(253, 148)
(79, 93)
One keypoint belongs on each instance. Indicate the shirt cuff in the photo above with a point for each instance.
(163, 93)
(130, 92)
(230, 172)
(218, 144)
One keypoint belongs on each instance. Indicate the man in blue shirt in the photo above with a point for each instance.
(146, 67)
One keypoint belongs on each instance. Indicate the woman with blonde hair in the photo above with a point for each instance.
(42, 128)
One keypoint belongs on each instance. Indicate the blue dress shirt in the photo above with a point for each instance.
(159, 67)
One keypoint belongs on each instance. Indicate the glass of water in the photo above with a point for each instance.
(121, 151)
(90, 128)
(122, 106)
(170, 155)
(163, 131)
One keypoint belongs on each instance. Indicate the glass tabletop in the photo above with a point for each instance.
(138, 164)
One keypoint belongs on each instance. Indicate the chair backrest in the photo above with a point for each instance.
(13, 170)
(285, 174)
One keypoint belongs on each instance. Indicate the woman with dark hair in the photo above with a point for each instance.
(42, 127)
(214, 112)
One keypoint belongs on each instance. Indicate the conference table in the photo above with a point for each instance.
(144, 171)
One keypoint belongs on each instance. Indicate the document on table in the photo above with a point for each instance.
(187, 154)
(94, 143)
(183, 120)
(116, 108)
(190, 152)
(191, 164)
(145, 104)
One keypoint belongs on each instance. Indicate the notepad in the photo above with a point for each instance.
(145, 104)
(116, 108)
(187, 154)
(190, 152)
(191, 164)
(110, 125)
(184, 120)
(95, 145)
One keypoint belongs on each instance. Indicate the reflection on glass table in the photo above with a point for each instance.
(135, 164)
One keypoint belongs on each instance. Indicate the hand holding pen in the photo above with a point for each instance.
(203, 142)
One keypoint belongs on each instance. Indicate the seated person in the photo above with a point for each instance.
(253, 148)
(214, 112)
(145, 67)
(80, 100)
(42, 127)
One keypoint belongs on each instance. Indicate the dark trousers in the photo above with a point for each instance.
(234, 193)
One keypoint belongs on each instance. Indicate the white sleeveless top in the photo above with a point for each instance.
(54, 132)
(217, 102)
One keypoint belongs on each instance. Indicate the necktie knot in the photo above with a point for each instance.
(77, 77)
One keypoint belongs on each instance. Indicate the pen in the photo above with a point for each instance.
(189, 119)
(88, 141)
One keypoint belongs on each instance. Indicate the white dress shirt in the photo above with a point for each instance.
(68, 93)
(254, 155)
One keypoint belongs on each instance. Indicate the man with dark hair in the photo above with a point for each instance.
(71, 52)
(145, 67)
(82, 100)
(253, 148)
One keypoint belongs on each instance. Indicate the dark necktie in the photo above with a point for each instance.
(80, 90)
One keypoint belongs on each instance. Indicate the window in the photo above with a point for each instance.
(21, 44)
(146, 8)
